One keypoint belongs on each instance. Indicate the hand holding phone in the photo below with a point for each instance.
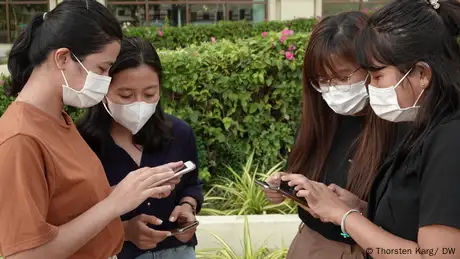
(286, 190)
(188, 167)
(184, 228)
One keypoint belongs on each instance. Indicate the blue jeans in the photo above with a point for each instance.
(180, 252)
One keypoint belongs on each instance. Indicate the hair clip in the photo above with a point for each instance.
(434, 3)
(44, 15)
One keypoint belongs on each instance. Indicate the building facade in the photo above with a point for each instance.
(14, 14)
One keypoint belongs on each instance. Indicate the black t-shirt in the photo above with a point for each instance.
(336, 170)
(422, 187)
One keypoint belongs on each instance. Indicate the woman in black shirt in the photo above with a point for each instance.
(338, 131)
(411, 49)
(130, 130)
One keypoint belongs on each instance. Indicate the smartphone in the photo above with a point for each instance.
(185, 228)
(187, 168)
(266, 185)
(286, 190)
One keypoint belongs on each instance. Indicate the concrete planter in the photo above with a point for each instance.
(271, 231)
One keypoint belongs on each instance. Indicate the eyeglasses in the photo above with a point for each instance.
(339, 83)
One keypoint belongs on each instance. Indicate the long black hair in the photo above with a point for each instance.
(83, 26)
(96, 123)
(405, 32)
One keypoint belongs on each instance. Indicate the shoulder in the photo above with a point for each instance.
(440, 146)
(444, 134)
(20, 146)
(180, 128)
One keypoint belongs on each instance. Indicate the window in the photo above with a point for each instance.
(180, 12)
(331, 7)
(14, 16)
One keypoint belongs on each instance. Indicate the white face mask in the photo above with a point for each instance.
(346, 99)
(93, 91)
(384, 102)
(132, 116)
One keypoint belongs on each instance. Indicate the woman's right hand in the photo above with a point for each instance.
(135, 188)
(141, 235)
(274, 197)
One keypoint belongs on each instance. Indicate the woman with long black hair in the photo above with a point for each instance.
(341, 142)
(128, 130)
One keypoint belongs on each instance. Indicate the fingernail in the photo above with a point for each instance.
(159, 221)
(171, 219)
(169, 234)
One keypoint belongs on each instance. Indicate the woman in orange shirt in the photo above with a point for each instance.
(55, 199)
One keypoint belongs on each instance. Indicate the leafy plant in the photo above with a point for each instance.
(237, 194)
(167, 37)
(226, 252)
(238, 96)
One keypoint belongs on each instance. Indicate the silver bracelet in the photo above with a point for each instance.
(342, 223)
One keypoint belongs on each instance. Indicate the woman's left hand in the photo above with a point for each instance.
(321, 199)
(183, 214)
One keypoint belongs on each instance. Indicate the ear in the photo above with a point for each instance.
(424, 71)
(62, 57)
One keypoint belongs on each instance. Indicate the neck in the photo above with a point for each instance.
(120, 134)
(42, 93)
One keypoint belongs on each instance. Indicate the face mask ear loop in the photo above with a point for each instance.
(106, 108)
(81, 64)
(418, 98)
(65, 79)
(404, 77)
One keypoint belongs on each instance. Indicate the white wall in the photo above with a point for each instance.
(291, 9)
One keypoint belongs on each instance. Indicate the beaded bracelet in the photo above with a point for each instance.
(342, 223)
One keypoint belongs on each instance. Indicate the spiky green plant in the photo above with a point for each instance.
(237, 194)
(226, 252)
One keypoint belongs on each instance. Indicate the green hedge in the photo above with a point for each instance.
(237, 96)
(168, 37)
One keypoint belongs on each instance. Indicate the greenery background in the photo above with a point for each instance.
(239, 95)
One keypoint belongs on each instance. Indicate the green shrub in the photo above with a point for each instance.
(237, 96)
(168, 37)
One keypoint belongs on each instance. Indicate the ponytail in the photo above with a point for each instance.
(20, 64)
(82, 26)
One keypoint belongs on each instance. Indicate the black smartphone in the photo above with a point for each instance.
(286, 190)
(266, 185)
